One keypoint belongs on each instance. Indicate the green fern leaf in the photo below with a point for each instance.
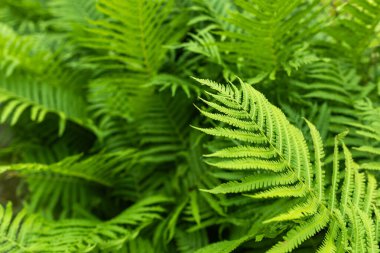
(302, 232)
(251, 183)
(300, 211)
(222, 247)
(282, 150)
(17, 234)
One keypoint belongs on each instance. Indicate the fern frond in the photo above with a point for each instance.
(85, 235)
(288, 155)
(371, 195)
(244, 151)
(71, 14)
(222, 247)
(297, 190)
(254, 182)
(328, 244)
(111, 95)
(299, 211)
(142, 212)
(319, 156)
(212, 12)
(140, 244)
(16, 233)
(34, 81)
(73, 178)
(190, 242)
(356, 25)
(71, 167)
(369, 227)
(258, 28)
(247, 163)
(137, 31)
(102, 151)
(338, 84)
(25, 17)
(302, 232)
(161, 123)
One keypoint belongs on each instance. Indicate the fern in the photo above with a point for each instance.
(356, 26)
(73, 178)
(145, 56)
(16, 232)
(101, 149)
(19, 233)
(161, 123)
(274, 151)
(257, 27)
(25, 89)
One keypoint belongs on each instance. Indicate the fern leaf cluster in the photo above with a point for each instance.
(280, 165)
(186, 126)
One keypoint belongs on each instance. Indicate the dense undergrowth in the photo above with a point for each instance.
(208, 126)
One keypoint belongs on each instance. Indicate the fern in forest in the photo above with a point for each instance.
(107, 143)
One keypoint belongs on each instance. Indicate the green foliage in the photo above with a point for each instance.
(113, 138)
(30, 233)
(278, 159)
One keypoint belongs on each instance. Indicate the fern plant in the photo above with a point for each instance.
(109, 144)
(278, 159)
